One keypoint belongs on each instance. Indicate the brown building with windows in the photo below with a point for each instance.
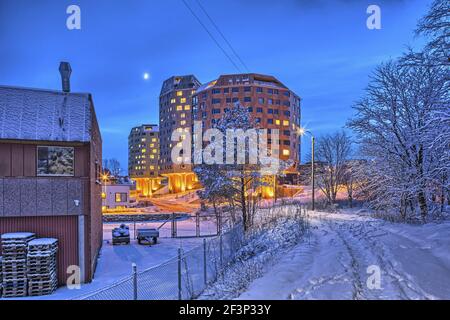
(271, 103)
(50, 161)
(143, 158)
(175, 113)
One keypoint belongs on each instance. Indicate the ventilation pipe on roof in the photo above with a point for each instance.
(65, 70)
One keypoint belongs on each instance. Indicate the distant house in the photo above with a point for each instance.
(115, 195)
(50, 161)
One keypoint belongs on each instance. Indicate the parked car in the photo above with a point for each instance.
(148, 235)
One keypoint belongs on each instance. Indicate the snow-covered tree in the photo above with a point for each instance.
(393, 126)
(333, 153)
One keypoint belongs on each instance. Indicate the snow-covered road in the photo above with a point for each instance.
(414, 262)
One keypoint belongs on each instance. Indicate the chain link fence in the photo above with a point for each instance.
(183, 277)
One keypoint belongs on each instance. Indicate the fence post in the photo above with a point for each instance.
(179, 275)
(221, 251)
(197, 224)
(205, 274)
(174, 226)
(135, 289)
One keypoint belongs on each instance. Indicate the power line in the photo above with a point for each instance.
(211, 35)
(221, 34)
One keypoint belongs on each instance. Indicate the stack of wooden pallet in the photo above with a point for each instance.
(41, 266)
(14, 264)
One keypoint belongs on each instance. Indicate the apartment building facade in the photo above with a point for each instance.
(271, 104)
(143, 158)
(175, 113)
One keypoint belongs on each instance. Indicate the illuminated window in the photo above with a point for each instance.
(154, 150)
(187, 107)
(152, 156)
(286, 152)
(154, 140)
(183, 100)
(103, 195)
(144, 150)
(183, 115)
(183, 122)
(152, 167)
(121, 197)
(277, 122)
(173, 100)
(179, 108)
(285, 123)
(179, 93)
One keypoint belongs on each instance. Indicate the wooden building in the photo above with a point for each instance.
(50, 162)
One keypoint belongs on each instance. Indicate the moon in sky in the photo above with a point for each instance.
(146, 76)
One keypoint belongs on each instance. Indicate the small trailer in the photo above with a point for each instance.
(121, 235)
(148, 235)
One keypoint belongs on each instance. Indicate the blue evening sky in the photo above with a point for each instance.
(321, 49)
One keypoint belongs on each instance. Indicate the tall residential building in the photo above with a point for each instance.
(271, 103)
(175, 113)
(143, 158)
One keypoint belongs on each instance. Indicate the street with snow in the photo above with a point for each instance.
(338, 258)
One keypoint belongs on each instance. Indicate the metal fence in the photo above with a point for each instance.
(183, 277)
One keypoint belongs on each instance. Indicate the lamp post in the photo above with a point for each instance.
(302, 132)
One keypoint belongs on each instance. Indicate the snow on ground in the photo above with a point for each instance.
(414, 261)
(115, 262)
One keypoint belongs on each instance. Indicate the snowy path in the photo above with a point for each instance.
(332, 264)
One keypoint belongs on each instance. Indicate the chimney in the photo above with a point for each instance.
(65, 70)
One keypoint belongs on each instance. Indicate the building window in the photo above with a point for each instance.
(121, 197)
(286, 152)
(261, 100)
(270, 121)
(247, 99)
(215, 91)
(103, 195)
(215, 111)
(179, 93)
(259, 110)
(55, 161)
(235, 89)
(187, 107)
(183, 100)
(215, 101)
(247, 89)
(259, 90)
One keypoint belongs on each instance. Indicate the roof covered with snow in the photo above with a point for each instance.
(44, 115)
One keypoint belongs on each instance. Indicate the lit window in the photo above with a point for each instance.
(183, 122)
(183, 115)
(285, 123)
(187, 107)
(144, 150)
(179, 93)
(121, 197)
(277, 122)
(154, 140)
(173, 100)
(183, 100)
(179, 108)
(152, 156)
(103, 195)
(154, 150)
(286, 152)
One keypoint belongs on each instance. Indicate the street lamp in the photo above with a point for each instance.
(302, 132)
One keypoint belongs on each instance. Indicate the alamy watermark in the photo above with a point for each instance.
(235, 146)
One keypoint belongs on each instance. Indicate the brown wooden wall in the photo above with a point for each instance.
(63, 228)
(19, 159)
